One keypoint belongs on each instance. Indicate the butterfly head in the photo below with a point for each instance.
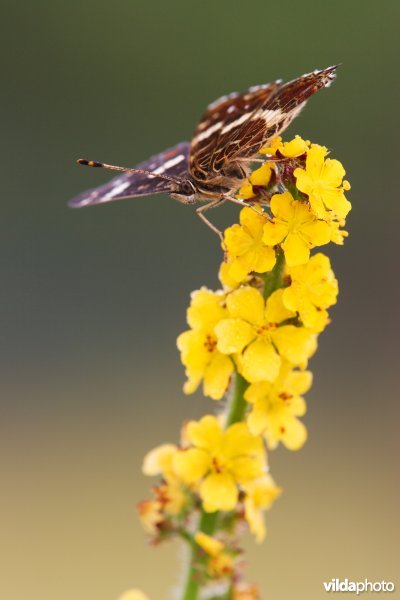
(185, 192)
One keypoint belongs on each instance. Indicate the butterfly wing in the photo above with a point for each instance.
(242, 124)
(172, 162)
(219, 115)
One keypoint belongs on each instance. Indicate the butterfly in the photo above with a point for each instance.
(228, 138)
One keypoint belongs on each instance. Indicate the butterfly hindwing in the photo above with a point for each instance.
(172, 162)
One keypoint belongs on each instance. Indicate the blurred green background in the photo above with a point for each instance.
(93, 300)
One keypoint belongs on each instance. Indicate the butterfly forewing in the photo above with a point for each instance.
(240, 126)
(172, 162)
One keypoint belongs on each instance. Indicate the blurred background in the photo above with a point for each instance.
(93, 300)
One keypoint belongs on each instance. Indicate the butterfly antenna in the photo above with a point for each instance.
(101, 165)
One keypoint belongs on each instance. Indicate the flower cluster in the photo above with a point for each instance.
(250, 341)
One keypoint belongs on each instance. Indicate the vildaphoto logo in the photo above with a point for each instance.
(358, 587)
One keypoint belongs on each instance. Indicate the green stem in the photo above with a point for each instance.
(192, 584)
(273, 279)
(207, 524)
(237, 403)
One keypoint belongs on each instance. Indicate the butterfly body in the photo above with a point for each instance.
(215, 163)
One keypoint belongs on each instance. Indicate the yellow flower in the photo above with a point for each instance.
(225, 277)
(151, 515)
(276, 407)
(259, 178)
(274, 145)
(322, 181)
(219, 461)
(312, 290)
(337, 235)
(255, 332)
(292, 149)
(133, 595)
(295, 227)
(208, 543)
(260, 495)
(198, 346)
(159, 461)
(220, 563)
(245, 248)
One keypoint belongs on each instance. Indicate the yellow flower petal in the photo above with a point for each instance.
(233, 335)
(158, 460)
(239, 441)
(260, 361)
(333, 172)
(297, 250)
(252, 220)
(257, 390)
(150, 515)
(191, 465)
(298, 406)
(275, 310)
(317, 232)
(260, 495)
(237, 240)
(294, 147)
(208, 543)
(294, 435)
(205, 309)
(246, 468)
(257, 420)
(274, 233)
(226, 276)
(298, 382)
(192, 345)
(217, 376)
(219, 492)
(296, 344)
(206, 433)
(246, 303)
(272, 147)
(262, 176)
(192, 383)
(246, 192)
(255, 519)
(282, 206)
(265, 260)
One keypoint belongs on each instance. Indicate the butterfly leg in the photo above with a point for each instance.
(201, 210)
(241, 203)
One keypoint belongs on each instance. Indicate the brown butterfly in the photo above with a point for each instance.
(227, 140)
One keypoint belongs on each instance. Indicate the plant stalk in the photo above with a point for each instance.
(273, 279)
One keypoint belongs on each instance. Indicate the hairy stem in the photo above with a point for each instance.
(207, 524)
(237, 404)
(273, 279)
